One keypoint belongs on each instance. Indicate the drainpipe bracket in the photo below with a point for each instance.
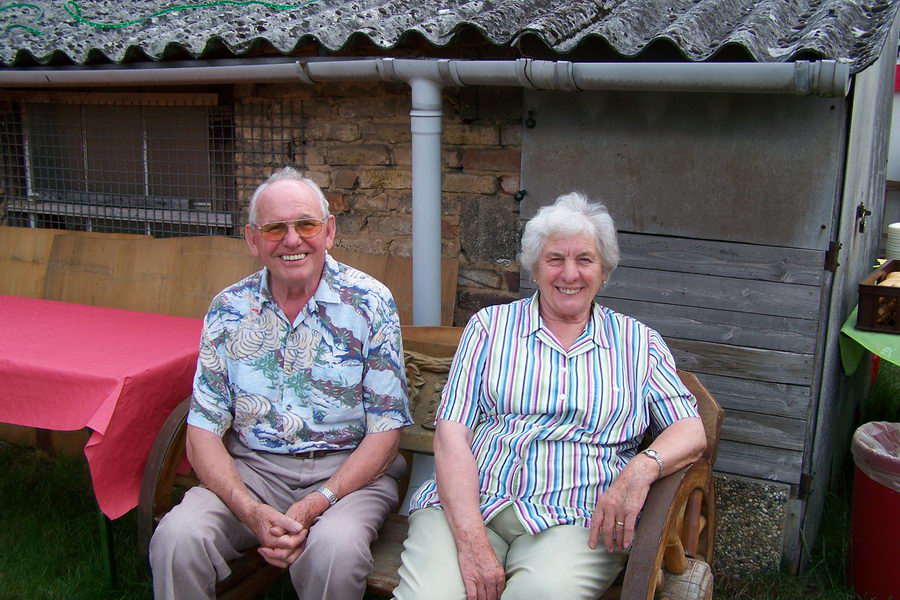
(387, 69)
(552, 75)
(824, 78)
(303, 74)
(449, 73)
(522, 67)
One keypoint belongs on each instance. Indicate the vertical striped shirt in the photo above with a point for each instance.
(553, 427)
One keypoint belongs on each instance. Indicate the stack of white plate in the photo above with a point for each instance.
(892, 250)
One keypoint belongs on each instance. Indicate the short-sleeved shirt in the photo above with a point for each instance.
(552, 427)
(322, 382)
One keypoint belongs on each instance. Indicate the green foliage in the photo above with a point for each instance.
(883, 402)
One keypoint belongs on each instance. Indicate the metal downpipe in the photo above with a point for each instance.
(426, 123)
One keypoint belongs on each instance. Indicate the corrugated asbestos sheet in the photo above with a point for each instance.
(57, 32)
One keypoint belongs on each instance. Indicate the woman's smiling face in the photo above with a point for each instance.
(568, 274)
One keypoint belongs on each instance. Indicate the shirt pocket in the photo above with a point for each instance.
(336, 394)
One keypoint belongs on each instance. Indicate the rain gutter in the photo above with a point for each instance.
(427, 78)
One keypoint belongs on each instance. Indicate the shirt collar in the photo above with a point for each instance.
(265, 294)
(596, 330)
(531, 316)
(328, 290)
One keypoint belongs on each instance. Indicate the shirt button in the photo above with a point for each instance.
(562, 396)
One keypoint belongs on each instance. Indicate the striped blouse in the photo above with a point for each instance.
(553, 427)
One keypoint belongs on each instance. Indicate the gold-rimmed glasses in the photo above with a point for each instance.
(305, 228)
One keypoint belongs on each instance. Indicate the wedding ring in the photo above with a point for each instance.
(621, 523)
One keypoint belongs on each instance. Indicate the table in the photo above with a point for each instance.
(66, 366)
(854, 343)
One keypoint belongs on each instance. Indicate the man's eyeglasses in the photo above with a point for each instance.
(305, 228)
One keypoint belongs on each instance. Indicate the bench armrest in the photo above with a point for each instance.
(664, 512)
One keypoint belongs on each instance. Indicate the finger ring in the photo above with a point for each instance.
(622, 523)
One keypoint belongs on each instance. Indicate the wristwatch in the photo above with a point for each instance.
(329, 495)
(655, 456)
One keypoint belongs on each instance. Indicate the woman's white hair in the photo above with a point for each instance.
(290, 174)
(571, 214)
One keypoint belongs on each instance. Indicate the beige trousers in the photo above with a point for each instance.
(556, 563)
(194, 541)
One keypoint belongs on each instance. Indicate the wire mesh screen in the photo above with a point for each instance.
(162, 170)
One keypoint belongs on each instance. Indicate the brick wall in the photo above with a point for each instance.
(353, 139)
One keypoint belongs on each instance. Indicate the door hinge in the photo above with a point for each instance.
(832, 255)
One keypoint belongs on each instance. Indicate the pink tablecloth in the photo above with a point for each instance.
(67, 366)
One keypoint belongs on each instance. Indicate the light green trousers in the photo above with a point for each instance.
(556, 563)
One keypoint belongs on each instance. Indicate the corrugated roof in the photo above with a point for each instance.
(42, 32)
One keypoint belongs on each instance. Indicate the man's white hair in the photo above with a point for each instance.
(290, 174)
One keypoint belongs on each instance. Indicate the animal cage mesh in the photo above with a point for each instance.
(162, 170)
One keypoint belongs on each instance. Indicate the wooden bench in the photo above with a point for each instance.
(673, 543)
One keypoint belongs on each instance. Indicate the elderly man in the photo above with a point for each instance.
(298, 402)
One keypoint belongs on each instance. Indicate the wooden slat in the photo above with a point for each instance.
(744, 363)
(386, 554)
(726, 259)
(764, 430)
(19, 435)
(204, 266)
(776, 399)
(707, 291)
(750, 460)
(711, 292)
(396, 273)
(25, 253)
(180, 276)
(128, 274)
(727, 327)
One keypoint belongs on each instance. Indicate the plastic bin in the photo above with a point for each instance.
(875, 514)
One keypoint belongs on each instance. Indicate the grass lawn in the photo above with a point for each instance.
(50, 538)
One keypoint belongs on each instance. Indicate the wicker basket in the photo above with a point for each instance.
(879, 306)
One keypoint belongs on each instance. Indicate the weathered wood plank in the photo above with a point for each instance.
(750, 460)
(747, 395)
(707, 291)
(764, 430)
(731, 167)
(727, 327)
(744, 363)
(726, 259)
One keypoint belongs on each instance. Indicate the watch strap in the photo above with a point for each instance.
(329, 495)
(655, 456)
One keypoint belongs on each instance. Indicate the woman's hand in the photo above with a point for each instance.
(482, 574)
(680, 444)
(457, 480)
(618, 508)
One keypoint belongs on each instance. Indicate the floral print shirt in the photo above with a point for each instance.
(322, 382)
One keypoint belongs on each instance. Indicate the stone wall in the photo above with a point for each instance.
(353, 139)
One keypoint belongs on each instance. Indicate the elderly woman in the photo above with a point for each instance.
(536, 449)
